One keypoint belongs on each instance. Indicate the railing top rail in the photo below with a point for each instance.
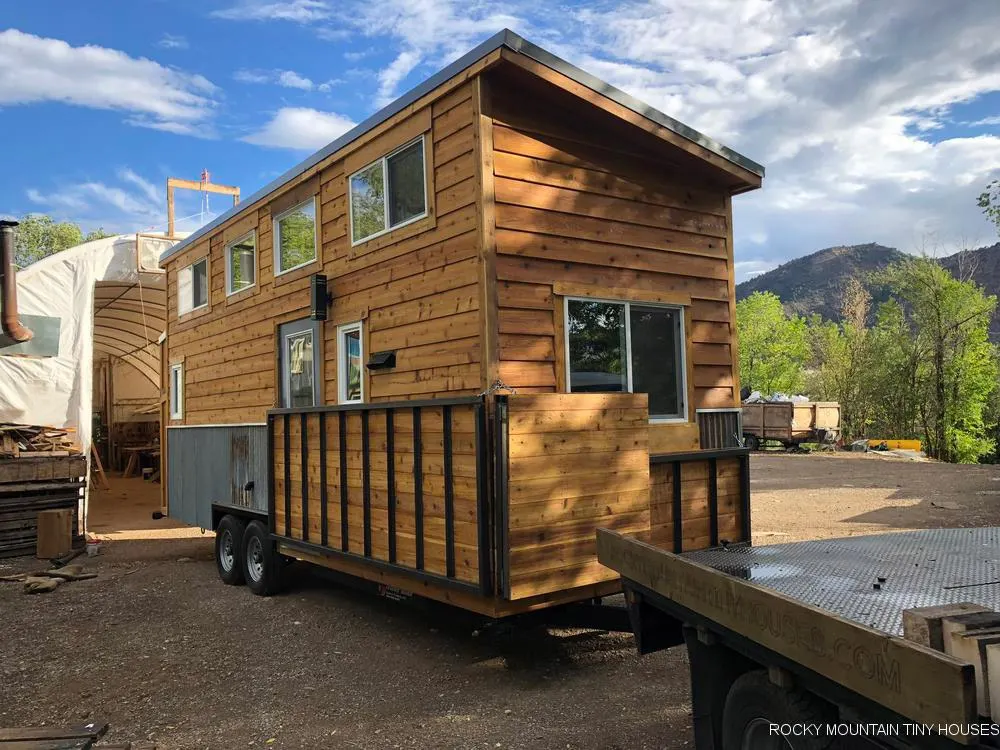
(379, 405)
(701, 455)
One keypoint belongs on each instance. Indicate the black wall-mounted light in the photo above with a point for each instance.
(382, 361)
(321, 299)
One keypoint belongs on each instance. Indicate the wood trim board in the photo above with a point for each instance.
(914, 681)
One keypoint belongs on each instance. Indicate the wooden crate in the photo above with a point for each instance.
(32, 485)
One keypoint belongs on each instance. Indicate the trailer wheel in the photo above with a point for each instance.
(754, 704)
(229, 550)
(262, 564)
(752, 442)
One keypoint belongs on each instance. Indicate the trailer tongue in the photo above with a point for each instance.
(810, 634)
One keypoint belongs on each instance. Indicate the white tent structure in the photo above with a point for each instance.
(106, 297)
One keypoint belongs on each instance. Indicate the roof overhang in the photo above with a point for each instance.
(520, 51)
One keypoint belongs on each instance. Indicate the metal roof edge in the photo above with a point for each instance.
(503, 38)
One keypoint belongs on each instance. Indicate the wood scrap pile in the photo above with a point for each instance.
(43, 581)
(18, 440)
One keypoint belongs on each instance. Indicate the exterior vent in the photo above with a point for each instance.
(720, 428)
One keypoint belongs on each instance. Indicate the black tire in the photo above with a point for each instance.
(229, 550)
(262, 565)
(752, 443)
(754, 702)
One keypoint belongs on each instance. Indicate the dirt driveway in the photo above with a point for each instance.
(162, 650)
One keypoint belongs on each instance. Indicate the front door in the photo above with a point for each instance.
(298, 363)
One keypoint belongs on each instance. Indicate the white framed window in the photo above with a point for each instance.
(350, 364)
(177, 391)
(295, 238)
(192, 287)
(628, 347)
(388, 193)
(241, 263)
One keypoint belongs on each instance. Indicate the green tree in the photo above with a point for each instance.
(989, 201)
(950, 365)
(773, 346)
(38, 236)
(843, 357)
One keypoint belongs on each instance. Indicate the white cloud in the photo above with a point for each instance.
(36, 69)
(172, 41)
(133, 205)
(846, 103)
(301, 128)
(299, 11)
(287, 78)
(292, 80)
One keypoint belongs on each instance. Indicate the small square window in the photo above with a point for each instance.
(350, 355)
(192, 287)
(177, 391)
(389, 193)
(295, 237)
(241, 263)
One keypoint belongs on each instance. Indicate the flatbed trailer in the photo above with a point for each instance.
(801, 645)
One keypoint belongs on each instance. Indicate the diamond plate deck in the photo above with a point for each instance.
(872, 579)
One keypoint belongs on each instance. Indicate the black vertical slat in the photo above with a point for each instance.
(745, 496)
(390, 479)
(449, 496)
(343, 481)
(500, 473)
(418, 490)
(271, 501)
(713, 502)
(305, 477)
(323, 524)
(287, 445)
(482, 500)
(678, 514)
(366, 489)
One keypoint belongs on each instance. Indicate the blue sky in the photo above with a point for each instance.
(878, 120)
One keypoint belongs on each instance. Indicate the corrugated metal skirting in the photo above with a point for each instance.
(720, 428)
(215, 466)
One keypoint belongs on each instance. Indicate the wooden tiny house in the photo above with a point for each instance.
(469, 332)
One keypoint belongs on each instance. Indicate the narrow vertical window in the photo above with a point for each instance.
(241, 263)
(350, 354)
(192, 287)
(177, 391)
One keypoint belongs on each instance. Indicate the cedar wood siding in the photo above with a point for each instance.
(416, 289)
(581, 201)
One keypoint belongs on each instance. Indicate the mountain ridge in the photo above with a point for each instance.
(812, 284)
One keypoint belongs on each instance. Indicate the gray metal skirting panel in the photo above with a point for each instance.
(918, 568)
(212, 466)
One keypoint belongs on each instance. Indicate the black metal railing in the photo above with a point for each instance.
(322, 546)
(677, 461)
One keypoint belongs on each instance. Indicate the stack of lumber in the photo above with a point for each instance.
(30, 484)
(969, 632)
(18, 440)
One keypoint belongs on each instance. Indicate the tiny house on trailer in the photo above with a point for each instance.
(444, 350)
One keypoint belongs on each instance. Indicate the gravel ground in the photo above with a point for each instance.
(159, 648)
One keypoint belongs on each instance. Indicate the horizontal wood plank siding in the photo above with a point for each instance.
(416, 290)
(577, 462)
(576, 203)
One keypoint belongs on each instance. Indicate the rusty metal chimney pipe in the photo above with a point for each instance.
(8, 277)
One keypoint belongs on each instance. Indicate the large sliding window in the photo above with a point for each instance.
(299, 360)
(628, 347)
(389, 193)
